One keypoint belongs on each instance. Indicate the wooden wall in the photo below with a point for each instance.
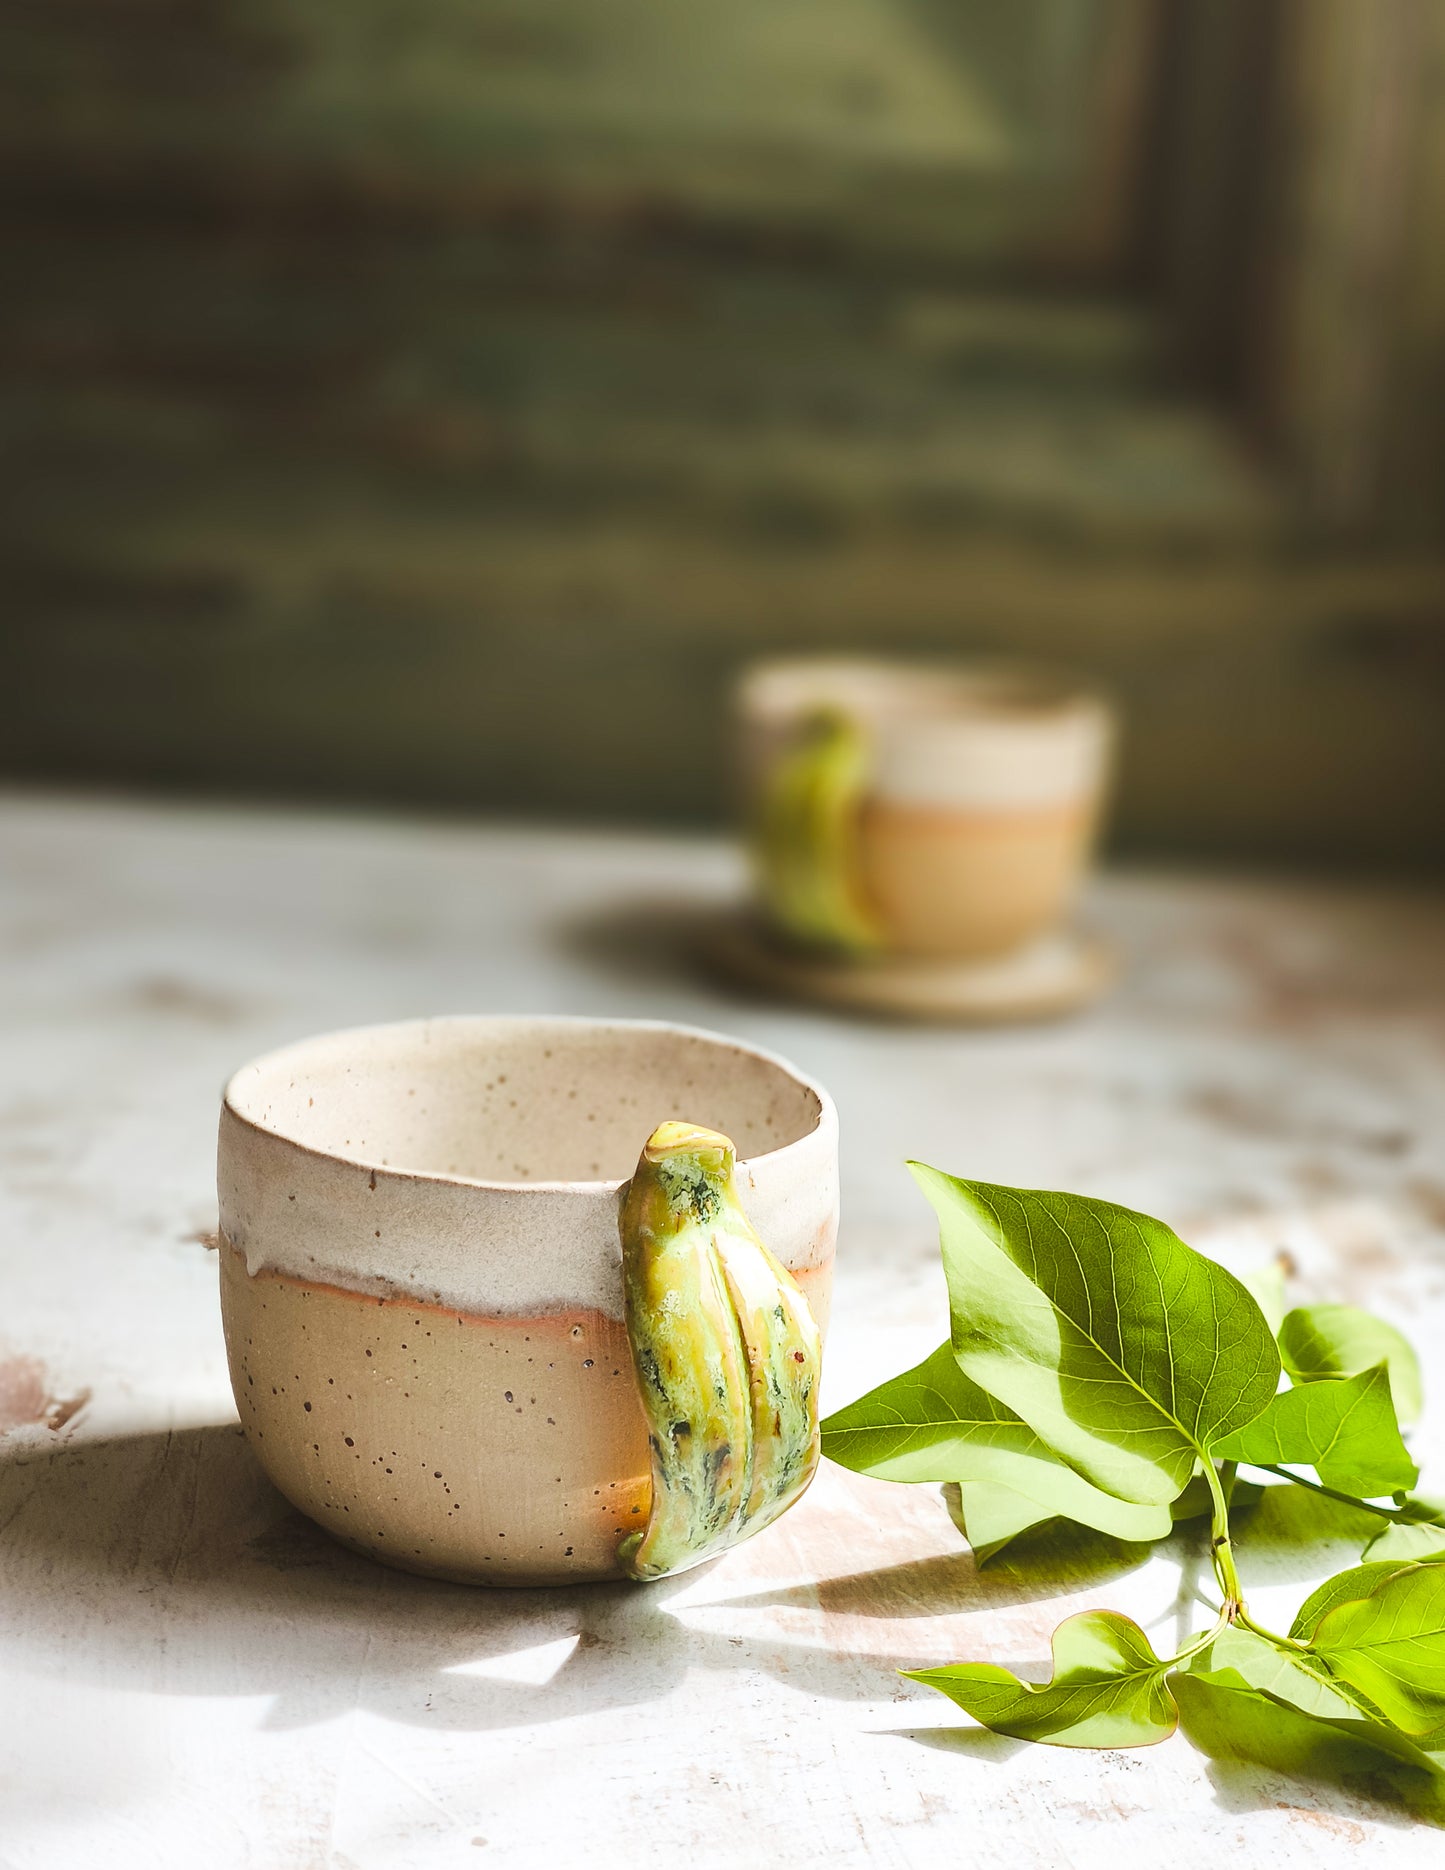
(436, 404)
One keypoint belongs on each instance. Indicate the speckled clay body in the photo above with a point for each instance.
(421, 1272)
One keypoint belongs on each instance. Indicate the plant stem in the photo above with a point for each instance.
(1221, 1548)
(1270, 1636)
(1224, 1555)
(1345, 1499)
(1200, 1642)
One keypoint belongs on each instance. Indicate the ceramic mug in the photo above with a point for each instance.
(421, 1272)
(973, 803)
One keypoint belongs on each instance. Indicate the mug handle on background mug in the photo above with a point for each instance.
(805, 835)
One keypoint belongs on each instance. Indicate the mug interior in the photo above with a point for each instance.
(518, 1101)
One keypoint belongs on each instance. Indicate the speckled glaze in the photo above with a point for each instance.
(984, 791)
(421, 1272)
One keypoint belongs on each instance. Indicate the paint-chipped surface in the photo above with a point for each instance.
(196, 1675)
(26, 1398)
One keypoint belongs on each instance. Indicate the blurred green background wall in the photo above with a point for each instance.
(434, 403)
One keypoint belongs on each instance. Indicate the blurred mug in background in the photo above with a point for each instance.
(921, 811)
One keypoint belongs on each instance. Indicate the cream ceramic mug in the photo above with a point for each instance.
(940, 811)
(421, 1274)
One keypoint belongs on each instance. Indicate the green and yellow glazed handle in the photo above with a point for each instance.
(726, 1352)
(805, 836)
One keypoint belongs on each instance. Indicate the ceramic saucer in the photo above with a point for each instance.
(1055, 974)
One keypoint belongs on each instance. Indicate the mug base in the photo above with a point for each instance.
(451, 1444)
(472, 1577)
(1052, 975)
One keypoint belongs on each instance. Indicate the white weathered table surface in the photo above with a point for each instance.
(194, 1676)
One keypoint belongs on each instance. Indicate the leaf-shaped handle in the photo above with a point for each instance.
(726, 1352)
(805, 836)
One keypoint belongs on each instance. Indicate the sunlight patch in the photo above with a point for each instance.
(534, 1667)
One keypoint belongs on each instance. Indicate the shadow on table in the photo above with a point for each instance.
(1291, 1762)
(1071, 1558)
(645, 941)
(1336, 1792)
(171, 1554)
(1296, 1766)
(974, 1743)
(669, 943)
(177, 1546)
(1296, 1537)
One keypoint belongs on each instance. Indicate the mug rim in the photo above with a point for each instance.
(964, 690)
(824, 1121)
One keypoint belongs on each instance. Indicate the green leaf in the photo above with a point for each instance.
(935, 1423)
(1127, 1351)
(1266, 1285)
(1346, 1430)
(1297, 1676)
(991, 1517)
(1391, 1646)
(1419, 1533)
(1346, 1587)
(1227, 1718)
(1107, 1689)
(1319, 1341)
(1197, 1502)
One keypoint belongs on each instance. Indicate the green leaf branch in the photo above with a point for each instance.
(1100, 1370)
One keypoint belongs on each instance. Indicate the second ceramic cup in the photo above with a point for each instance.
(975, 794)
(421, 1275)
